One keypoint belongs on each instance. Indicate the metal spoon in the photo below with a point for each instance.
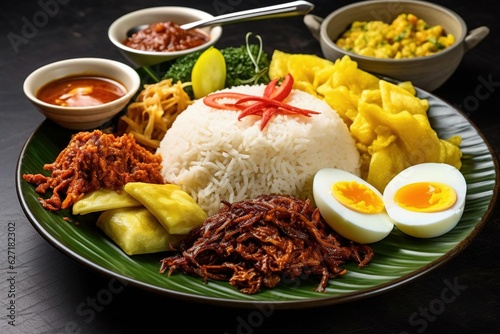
(283, 10)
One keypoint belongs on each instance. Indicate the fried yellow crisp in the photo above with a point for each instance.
(396, 99)
(388, 121)
(339, 83)
(396, 134)
(308, 71)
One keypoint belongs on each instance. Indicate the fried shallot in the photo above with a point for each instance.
(94, 160)
(257, 243)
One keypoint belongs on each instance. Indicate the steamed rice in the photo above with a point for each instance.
(214, 157)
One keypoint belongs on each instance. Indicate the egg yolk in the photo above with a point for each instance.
(425, 197)
(357, 196)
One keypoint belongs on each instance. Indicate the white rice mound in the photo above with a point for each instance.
(214, 157)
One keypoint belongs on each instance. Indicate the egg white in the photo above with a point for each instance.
(421, 224)
(359, 227)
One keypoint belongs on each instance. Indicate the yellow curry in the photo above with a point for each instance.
(406, 37)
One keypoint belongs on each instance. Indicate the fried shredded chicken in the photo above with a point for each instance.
(94, 160)
(260, 242)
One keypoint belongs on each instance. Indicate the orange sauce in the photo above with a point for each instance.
(81, 91)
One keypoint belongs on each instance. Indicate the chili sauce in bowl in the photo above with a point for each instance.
(81, 91)
(166, 36)
(144, 52)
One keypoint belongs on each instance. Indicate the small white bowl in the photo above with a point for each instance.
(428, 72)
(82, 118)
(117, 32)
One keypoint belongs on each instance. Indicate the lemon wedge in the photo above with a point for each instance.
(209, 73)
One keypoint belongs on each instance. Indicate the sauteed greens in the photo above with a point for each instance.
(246, 64)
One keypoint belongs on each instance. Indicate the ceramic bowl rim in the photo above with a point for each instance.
(331, 44)
(31, 79)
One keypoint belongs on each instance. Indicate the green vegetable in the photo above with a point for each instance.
(247, 64)
(240, 69)
(181, 68)
(401, 36)
(438, 45)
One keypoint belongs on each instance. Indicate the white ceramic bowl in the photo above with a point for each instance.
(428, 72)
(82, 118)
(117, 32)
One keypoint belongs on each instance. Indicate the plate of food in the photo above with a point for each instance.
(242, 168)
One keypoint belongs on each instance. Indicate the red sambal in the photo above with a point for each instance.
(166, 36)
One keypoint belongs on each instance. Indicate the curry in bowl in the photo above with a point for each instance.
(407, 36)
(81, 91)
(166, 36)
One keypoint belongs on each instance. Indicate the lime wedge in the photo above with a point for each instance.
(209, 73)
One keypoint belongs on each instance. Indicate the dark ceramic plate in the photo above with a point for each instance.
(399, 258)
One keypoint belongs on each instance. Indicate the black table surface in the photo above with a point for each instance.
(51, 291)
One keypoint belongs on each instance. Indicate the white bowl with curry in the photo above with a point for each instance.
(82, 93)
(427, 62)
(161, 38)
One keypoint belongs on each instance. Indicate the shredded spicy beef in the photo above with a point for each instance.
(259, 242)
(94, 160)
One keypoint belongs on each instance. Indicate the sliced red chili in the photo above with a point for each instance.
(270, 92)
(284, 89)
(274, 103)
(267, 113)
(270, 88)
(264, 106)
(211, 100)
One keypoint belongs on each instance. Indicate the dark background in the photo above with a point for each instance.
(50, 286)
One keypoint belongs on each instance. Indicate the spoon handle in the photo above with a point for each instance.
(287, 9)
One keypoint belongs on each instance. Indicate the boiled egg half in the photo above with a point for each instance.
(351, 206)
(426, 200)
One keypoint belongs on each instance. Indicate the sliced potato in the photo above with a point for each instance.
(175, 209)
(136, 231)
(102, 200)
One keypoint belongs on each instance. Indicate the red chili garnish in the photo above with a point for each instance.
(251, 110)
(266, 106)
(212, 100)
(282, 91)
